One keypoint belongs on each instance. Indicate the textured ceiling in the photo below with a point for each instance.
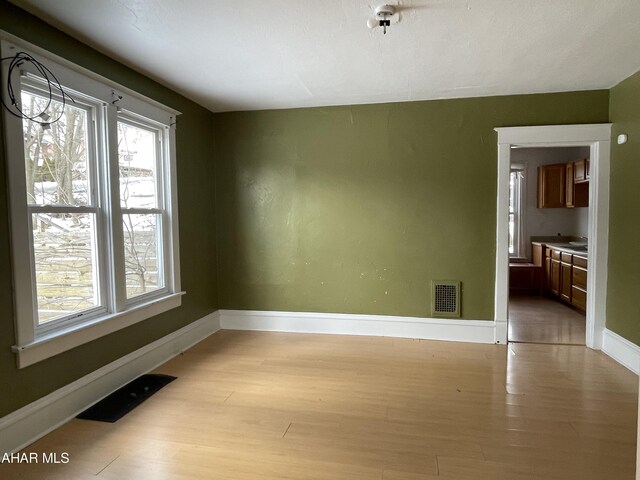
(260, 54)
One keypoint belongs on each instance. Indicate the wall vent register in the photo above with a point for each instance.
(445, 298)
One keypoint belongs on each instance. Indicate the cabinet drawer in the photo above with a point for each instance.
(566, 257)
(580, 261)
(547, 252)
(555, 254)
(579, 277)
(578, 298)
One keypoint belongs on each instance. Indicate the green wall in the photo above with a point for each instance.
(197, 234)
(623, 291)
(356, 209)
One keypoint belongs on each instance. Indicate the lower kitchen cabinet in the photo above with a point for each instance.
(565, 277)
(579, 283)
(565, 281)
(579, 298)
(555, 276)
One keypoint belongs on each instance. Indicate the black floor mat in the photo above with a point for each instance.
(122, 401)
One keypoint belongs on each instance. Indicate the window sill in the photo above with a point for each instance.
(62, 340)
(516, 259)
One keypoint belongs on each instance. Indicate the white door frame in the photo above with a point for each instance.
(598, 138)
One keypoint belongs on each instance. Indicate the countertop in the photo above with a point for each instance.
(566, 247)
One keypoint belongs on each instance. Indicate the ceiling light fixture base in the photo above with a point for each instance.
(384, 11)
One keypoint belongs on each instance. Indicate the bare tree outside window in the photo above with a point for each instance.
(56, 167)
(138, 192)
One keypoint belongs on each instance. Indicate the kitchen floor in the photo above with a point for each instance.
(538, 319)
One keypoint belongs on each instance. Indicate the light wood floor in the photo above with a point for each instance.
(538, 319)
(250, 405)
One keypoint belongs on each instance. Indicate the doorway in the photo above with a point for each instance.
(597, 139)
(548, 214)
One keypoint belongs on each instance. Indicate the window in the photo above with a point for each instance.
(516, 212)
(93, 207)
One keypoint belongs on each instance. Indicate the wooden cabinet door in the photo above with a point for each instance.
(579, 276)
(555, 277)
(551, 186)
(569, 186)
(581, 194)
(565, 282)
(547, 274)
(580, 170)
(579, 298)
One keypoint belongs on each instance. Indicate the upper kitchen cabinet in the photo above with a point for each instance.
(551, 186)
(564, 185)
(581, 170)
(581, 182)
(570, 197)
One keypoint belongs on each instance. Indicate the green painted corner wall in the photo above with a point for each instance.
(197, 232)
(356, 209)
(623, 299)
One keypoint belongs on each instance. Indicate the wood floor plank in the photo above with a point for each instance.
(268, 405)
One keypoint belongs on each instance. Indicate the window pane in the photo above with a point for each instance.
(512, 225)
(137, 161)
(143, 258)
(512, 191)
(66, 264)
(55, 157)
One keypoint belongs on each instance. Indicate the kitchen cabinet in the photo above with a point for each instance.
(565, 281)
(565, 276)
(556, 271)
(564, 185)
(581, 194)
(524, 278)
(569, 197)
(580, 170)
(552, 186)
(579, 283)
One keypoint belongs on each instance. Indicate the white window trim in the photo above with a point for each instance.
(519, 253)
(34, 344)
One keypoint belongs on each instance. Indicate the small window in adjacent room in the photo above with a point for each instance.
(516, 212)
(93, 205)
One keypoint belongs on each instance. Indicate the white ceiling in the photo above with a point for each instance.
(261, 54)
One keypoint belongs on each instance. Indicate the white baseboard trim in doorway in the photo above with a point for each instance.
(476, 331)
(621, 350)
(31, 422)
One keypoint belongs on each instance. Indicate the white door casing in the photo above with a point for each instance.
(598, 138)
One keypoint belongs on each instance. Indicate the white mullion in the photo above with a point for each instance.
(101, 275)
(114, 213)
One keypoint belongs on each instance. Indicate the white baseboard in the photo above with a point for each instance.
(621, 350)
(33, 421)
(477, 331)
